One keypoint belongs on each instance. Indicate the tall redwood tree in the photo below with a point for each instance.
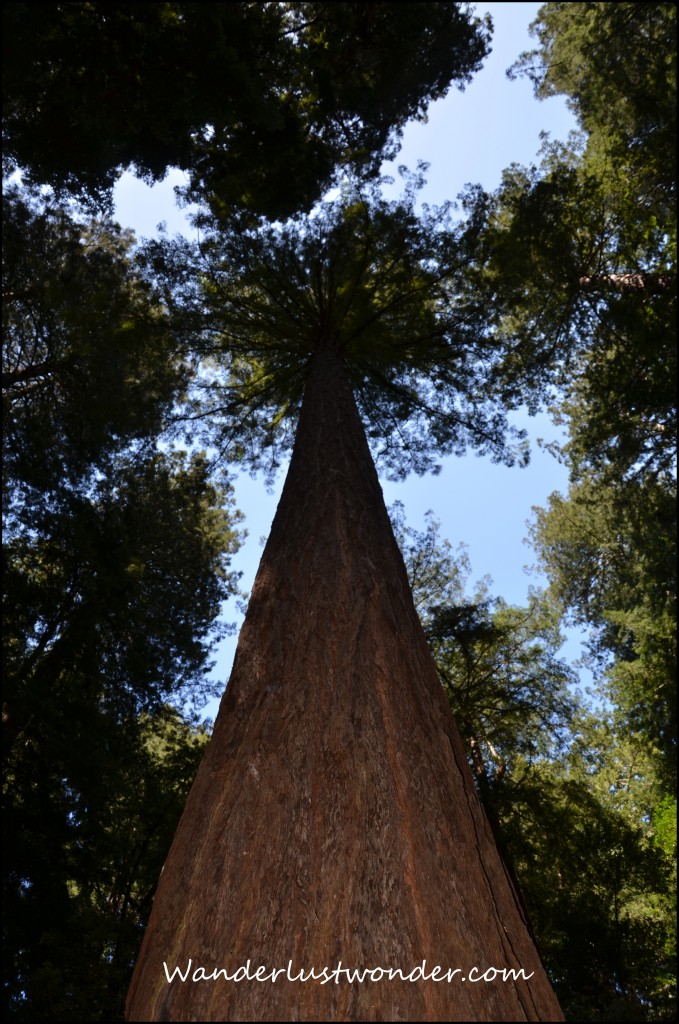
(334, 816)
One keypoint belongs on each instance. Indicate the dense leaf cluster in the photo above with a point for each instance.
(616, 65)
(257, 102)
(116, 558)
(577, 259)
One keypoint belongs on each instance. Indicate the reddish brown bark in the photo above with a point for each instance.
(653, 283)
(334, 817)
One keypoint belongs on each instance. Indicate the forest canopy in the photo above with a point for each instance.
(268, 99)
(138, 377)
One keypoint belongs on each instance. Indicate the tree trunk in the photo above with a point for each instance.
(334, 817)
(652, 283)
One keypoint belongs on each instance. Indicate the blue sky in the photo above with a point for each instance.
(469, 137)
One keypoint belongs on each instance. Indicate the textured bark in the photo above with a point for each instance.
(652, 283)
(334, 817)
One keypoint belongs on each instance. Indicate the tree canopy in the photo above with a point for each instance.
(577, 258)
(580, 252)
(116, 552)
(91, 371)
(362, 276)
(614, 63)
(265, 99)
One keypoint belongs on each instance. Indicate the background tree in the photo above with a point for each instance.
(268, 98)
(91, 372)
(579, 257)
(610, 556)
(576, 259)
(83, 331)
(116, 558)
(575, 800)
(88, 830)
(498, 664)
(614, 64)
(581, 252)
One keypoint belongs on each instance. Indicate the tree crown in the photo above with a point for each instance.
(366, 277)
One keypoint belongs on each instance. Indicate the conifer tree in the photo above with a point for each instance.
(334, 817)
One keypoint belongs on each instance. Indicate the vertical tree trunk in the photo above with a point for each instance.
(334, 817)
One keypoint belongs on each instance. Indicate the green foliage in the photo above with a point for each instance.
(615, 915)
(577, 258)
(575, 800)
(89, 362)
(510, 689)
(616, 64)
(579, 274)
(91, 805)
(498, 663)
(112, 597)
(577, 261)
(364, 276)
(611, 560)
(258, 102)
(116, 552)
(437, 574)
